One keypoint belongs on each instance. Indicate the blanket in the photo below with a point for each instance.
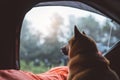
(57, 73)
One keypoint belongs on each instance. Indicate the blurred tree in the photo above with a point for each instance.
(90, 26)
(32, 50)
(111, 32)
(28, 42)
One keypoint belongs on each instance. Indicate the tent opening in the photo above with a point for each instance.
(46, 29)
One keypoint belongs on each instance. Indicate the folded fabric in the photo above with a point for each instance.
(57, 73)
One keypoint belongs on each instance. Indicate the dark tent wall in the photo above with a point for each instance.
(114, 56)
(12, 14)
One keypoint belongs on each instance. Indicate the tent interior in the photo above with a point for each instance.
(13, 13)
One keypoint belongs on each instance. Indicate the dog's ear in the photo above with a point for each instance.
(77, 33)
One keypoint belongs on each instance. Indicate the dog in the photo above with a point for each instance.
(85, 60)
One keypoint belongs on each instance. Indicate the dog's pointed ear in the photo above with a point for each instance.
(77, 33)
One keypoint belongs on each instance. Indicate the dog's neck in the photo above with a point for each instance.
(85, 56)
(86, 52)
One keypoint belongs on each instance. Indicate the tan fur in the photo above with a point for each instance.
(84, 61)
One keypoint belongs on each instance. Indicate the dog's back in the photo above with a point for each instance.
(85, 61)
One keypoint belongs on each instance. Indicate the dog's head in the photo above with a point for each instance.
(80, 42)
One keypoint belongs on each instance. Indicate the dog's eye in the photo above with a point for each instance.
(71, 42)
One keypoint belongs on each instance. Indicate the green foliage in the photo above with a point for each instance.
(31, 67)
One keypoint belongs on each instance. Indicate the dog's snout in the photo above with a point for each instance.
(64, 50)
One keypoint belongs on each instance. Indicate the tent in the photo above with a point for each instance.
(13, 12)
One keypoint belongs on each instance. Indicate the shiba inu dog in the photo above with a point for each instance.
(85, 60)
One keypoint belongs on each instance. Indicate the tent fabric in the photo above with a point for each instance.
(108, 8)
(57, 73)
(74, 4)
